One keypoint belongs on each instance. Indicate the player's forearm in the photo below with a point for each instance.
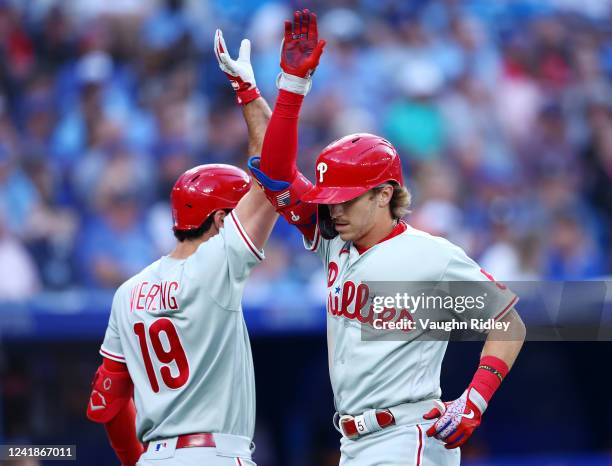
(257, 115)
(301, 50)
(121, 432)
(498, 355)
(506, 344)
(464, 414)
(111, 404)
(276, 170)
(279, 151)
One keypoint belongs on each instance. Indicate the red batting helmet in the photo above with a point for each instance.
(353, 165)
(201, 190)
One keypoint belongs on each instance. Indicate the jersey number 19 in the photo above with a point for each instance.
(165, 357)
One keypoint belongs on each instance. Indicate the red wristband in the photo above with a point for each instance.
(249, 95)
(489, 376)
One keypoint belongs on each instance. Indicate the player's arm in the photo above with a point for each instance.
(505, 345)
(458, 419)
(277, 171)
(111, 404)
(256, 215)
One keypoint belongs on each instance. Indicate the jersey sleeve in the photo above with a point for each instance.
(493, 300)
(224, 263)
(318, 244)
(111, 346)
(242, 255)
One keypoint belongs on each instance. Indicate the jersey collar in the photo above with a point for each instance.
(398, 230)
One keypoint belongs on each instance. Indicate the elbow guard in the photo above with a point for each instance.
(286, 197)
(110, 392)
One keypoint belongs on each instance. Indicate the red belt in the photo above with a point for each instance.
(193, 440)
(352, 430)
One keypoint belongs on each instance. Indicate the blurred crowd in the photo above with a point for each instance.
(501, 111)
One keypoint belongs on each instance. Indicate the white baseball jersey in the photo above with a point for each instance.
(178, 325)
(382, 374)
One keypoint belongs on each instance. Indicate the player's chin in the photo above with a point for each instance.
(344, 231)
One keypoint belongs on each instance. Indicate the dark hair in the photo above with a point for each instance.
(196, 233)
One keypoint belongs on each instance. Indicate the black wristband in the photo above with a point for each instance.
(493, 371)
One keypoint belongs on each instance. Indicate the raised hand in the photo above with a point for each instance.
(239, 72)
(300, 53)
(301, 48)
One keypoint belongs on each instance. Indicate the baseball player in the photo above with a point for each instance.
(386, 393)
(176, 386)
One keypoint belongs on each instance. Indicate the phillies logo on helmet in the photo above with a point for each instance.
(322, 169)
(351, 166)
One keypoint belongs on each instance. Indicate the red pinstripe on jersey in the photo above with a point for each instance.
(507, 308)
(315, 241)
(113, 356)
(245, 237)
(420, 446)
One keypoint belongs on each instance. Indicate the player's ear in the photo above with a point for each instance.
(219, 217)
(385, 193)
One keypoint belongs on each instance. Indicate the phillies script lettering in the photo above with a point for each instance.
(152, 297)
(349, 300)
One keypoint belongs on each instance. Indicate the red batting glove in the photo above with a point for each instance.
(300, 52)
(239, 72)
(458, 419)
(302, 48)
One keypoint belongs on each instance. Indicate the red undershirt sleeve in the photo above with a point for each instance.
(279, 151)
(280, 147)
(121, 430)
